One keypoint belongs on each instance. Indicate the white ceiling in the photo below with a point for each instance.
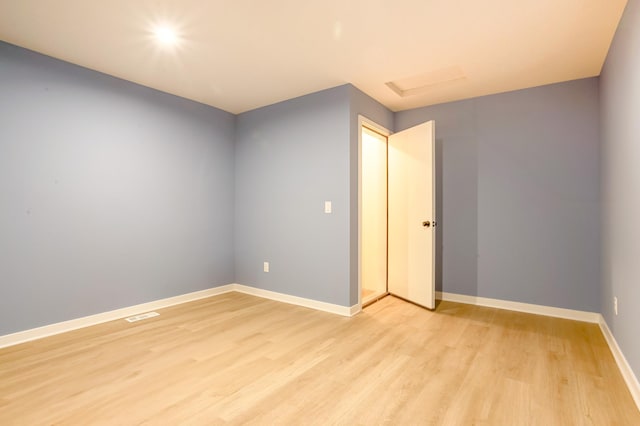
(238, 55)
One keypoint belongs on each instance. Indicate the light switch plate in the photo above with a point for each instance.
(327, 206)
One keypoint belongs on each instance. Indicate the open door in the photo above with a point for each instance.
(411, 209)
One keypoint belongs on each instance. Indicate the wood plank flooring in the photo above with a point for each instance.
(238, 359)
(366, 293)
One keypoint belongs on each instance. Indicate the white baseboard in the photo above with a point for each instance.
(625, 369)
(355, 309)
(592, 317)
(74, 324)
(521, 307)
(300, 301)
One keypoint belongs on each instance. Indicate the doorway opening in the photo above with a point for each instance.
(374, 214)
(396, 213)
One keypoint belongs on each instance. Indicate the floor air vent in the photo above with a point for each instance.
(142, 316)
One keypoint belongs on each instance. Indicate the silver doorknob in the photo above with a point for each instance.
(426, 223)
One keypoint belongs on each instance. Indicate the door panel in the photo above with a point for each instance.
(411, 198)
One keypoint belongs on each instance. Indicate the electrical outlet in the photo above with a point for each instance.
(615, 305)
(265, 266)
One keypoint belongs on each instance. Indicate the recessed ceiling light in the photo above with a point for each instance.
(166, 35)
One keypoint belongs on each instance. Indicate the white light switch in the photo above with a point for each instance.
(327, 206)
(265, 266)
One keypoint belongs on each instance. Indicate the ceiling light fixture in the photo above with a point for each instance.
(166, 35)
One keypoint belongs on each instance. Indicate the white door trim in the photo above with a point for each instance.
(366, 122)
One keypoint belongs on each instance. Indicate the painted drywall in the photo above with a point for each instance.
(291, 157)
(620, 130)
(359, 104)
(119, 194)
(520, 194)
(111, 194)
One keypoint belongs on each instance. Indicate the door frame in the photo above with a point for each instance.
(372, 125)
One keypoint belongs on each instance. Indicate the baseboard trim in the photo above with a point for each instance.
(345, 311)
(529, 308)
(74, 324)
(355, 309)
(625, 369)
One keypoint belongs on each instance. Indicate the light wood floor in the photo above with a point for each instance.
(366, 293)
(239, 359)
(370, 296)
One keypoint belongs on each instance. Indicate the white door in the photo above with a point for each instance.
(412, 206)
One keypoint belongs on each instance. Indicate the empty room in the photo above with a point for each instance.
(337, 212)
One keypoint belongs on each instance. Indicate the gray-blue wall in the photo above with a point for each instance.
(291, 157)
(111, 194)
(620, 121)
(117, 194)
(520, 194)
